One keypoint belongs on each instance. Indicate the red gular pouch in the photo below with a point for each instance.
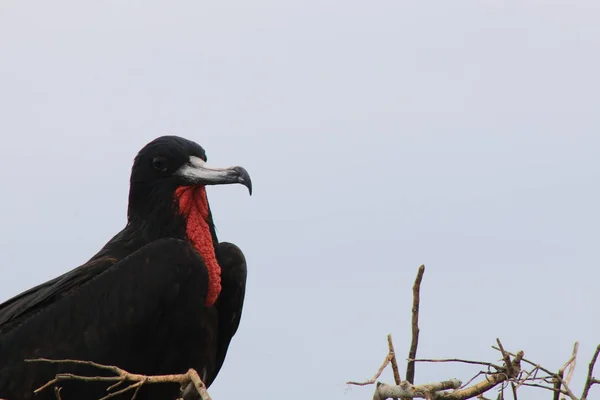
(193, 205)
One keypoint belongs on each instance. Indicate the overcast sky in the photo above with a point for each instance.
(379, 135)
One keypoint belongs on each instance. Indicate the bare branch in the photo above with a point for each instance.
(528, 362)
(387, 360)
(135, 386)
(477, 389)
(122, 376)
(412, 354)
(590, 378)
(392, 353)
(514, 390)
(198, 384)
(558, 380)
(543, 387)
(509, 367)
(509, 374)
(457, 360)
(472, 379)
(485, 385)
(522, 381)
(571, 363)
(567, 390)
(408, 390)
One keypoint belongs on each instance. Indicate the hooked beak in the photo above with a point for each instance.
(196, 172)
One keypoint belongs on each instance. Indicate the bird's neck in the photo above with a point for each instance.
(193, 207)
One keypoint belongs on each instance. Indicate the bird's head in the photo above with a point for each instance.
(167, 186)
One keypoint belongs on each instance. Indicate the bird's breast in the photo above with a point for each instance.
(193, 206)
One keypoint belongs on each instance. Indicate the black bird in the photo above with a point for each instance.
(162, 296)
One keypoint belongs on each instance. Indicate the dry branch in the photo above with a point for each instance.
(571, 363)
(553, 378)
(386, 361)
(490, 381)
(122, 376)
(590, 376)
(558, 380)
(395, 369)
(405, 389)
(412, 354)
(509, 373)
(456, 360)
(432, 391)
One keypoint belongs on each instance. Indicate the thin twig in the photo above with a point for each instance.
(528, 362)
(122, 376)
(112, 387)
(137, 390)
(135, 386)
(457, 360)
(387, 360)
(544, 387)
(590, 379)
(412, 354)
(523, 380)
(567, 391)
(472, 379)
(558, 381)
(392, 353)
(571, 363)
(509, 367)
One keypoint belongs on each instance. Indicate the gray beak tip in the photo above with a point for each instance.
(244, 178)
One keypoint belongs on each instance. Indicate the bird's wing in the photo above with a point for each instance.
(231, 300)
(229, 306)
(18, 308)
(145, 313)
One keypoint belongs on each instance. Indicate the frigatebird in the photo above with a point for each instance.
(162, 296)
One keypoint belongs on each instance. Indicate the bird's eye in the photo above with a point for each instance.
(159, 163)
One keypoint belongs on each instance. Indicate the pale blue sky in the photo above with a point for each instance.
(380, 135)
